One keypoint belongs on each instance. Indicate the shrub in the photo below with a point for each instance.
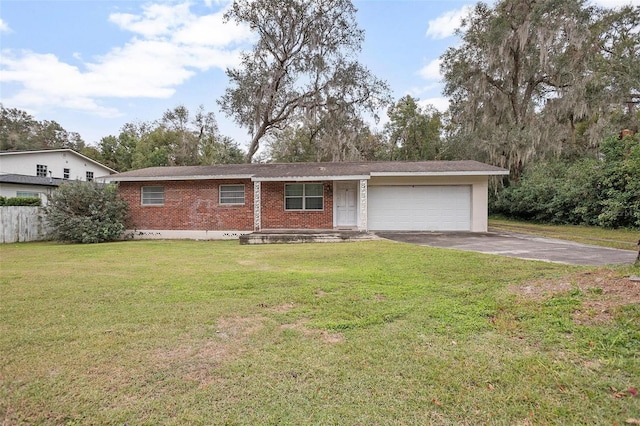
(533, 197)
(86, 212)
(20, 201)
(620, 182)
(603, 192)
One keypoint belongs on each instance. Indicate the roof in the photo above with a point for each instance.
(309, 171)
(65, 150)
(30, 180)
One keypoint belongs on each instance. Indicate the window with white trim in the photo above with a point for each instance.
(41, 170)
(231, 194)
(66, 173)
(89, 176)
(27, 194)
(152, 195)
(303, 196)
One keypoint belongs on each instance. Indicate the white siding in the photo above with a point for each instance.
(25, 163)
(10, 190)
(479, 192)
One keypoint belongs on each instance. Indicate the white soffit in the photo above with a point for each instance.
(115, 178)
(459, 173)
(308, 178)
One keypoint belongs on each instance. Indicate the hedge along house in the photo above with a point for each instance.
(226, 201)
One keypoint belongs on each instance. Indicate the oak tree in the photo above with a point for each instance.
(513, 59)
(300, 67)
(179, 138)
(413, 130)
(21, 131)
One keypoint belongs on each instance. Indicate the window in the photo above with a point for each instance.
(303, 196)
(41, 170)
(152, 195)
(27, 194)
(89, 176)
(66, 173)
(231, 194)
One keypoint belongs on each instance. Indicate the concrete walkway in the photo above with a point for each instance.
(518, 245)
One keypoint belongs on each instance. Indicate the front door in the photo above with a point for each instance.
(346, 204)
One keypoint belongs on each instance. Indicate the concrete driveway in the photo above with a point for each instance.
(518, 245)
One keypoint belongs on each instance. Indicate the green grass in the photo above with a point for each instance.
(355, 333)
(625, 239)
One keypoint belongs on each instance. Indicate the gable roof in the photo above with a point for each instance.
(309, 171)
(65, 150)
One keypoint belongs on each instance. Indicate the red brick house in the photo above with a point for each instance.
(225, 201)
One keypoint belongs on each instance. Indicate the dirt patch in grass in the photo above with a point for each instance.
(603, 292)
(285, 307)
(323, 335)
(196, 359)
(239, 327)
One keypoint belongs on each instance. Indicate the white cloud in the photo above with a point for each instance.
(210, 3)
(178, 24)
(210, 30)
(170, 46)
(156, 19)
(431, 71)
(4, 27)
(440, 103)
(445, 25)
(47, 81)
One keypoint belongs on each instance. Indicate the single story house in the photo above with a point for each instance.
(226, 201)
(14, 185)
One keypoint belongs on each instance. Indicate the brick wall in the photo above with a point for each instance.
(274, 215)
(189, 205)
(194, 205)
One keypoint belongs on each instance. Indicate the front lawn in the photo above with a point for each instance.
(184, 332)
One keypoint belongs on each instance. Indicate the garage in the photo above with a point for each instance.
(419, 208)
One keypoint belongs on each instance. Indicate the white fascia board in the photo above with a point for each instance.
(308, 178)
(115, 178)
(403, 174)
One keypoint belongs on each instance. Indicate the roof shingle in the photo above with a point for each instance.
(288, 171)
(30, 180)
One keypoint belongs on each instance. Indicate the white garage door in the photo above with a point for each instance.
(419, 208)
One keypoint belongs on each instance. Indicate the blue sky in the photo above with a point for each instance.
(93, 66)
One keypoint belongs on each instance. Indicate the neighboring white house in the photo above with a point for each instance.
(37, 173)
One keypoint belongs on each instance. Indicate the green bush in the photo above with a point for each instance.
(603, 192)
(86, 212)
(620, 182)
(20, 201)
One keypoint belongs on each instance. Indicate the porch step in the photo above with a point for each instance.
(295, 237)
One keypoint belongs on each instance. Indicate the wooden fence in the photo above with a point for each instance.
(21, 224)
